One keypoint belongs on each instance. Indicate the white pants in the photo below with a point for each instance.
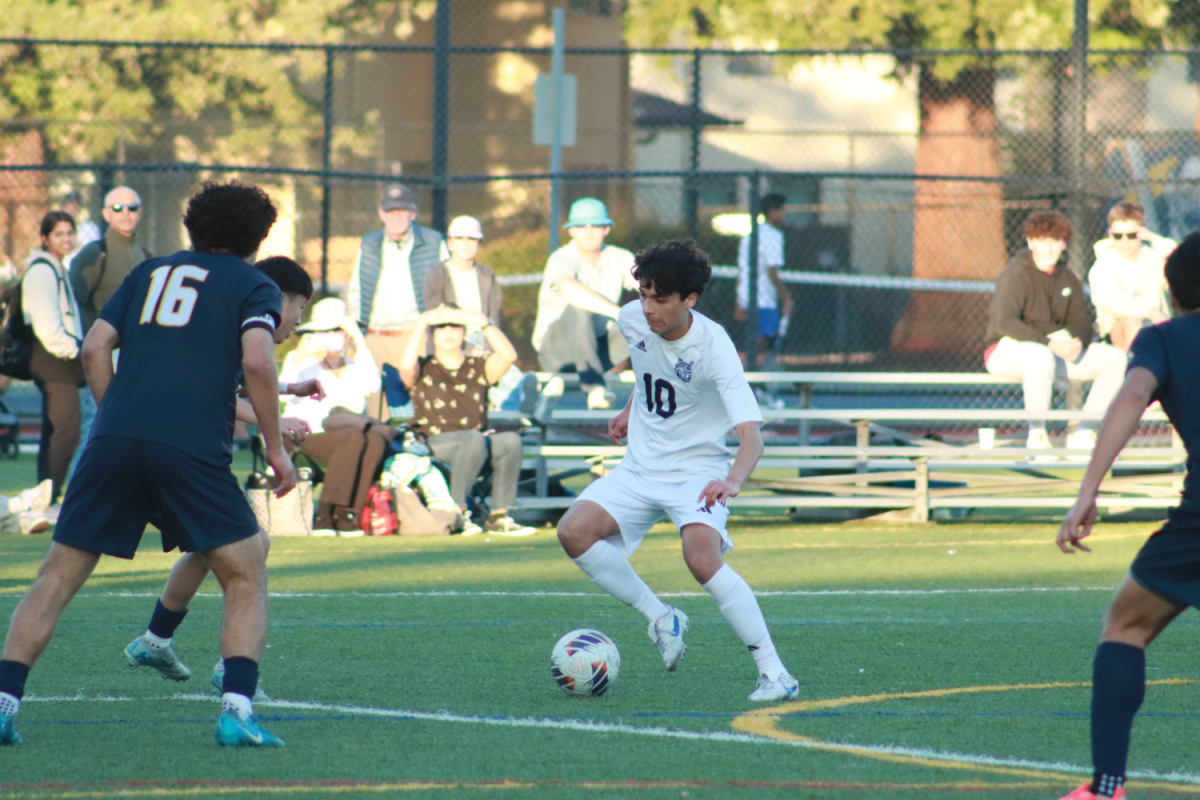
(1037, 367)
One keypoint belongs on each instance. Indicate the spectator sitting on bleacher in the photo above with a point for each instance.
(449, 392)
(1128, 286)
(576, 323)
(345, 439)
(1040, 328)
(462, 282)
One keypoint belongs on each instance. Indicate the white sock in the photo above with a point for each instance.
(156, 642)
(231, 701)
(740, 608)
(9, 705)
(609, 569)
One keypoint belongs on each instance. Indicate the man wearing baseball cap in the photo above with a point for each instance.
(578, 302)
(385, 294)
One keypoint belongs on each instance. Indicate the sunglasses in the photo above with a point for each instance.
(1119, 236)
(132, 208)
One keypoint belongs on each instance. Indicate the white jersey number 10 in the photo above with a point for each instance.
(174, 301)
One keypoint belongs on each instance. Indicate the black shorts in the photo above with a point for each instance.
(1169, 566)
(122, 484)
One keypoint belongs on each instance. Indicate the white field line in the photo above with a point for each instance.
(535, 594)
(653, 732)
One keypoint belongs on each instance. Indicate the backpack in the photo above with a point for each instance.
(16, 336)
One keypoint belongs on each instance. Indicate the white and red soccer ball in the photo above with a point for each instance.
(585, 662)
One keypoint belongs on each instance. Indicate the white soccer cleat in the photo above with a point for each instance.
(667, 632)
(782, 687)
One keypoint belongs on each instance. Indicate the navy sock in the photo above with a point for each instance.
(164, 621)
(1118, 687)
(241, 676)
(12, 678)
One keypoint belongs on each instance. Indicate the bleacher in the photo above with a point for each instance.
(886, 467)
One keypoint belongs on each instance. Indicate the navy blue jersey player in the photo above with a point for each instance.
(188, 327)
(1164, 578)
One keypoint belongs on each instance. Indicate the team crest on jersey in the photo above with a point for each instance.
(684, 370)
(641, 345)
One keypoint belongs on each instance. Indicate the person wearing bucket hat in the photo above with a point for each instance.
(349, 443)
(385, 295)
(576, 326)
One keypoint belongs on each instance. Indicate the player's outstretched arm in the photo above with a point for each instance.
(98, 349)
(262, 388)
(1120, 422)
(750, 450)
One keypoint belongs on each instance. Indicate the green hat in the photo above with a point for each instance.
(587, 211)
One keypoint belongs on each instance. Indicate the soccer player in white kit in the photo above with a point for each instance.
(690, 390)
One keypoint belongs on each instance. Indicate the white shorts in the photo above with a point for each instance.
(639, 503)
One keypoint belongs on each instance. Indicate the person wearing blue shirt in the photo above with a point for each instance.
(190, 328)
(1164, 578)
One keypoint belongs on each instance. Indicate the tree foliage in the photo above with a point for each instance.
(217, 105)
(930, 24)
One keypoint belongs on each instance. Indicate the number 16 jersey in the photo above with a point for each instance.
(688, 394)
(181, 320)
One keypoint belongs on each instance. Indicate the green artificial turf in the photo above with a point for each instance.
(363, 628)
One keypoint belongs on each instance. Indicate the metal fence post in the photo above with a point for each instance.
(1078, 154)
(752, 278)
(556, 70)
(692, 193)
(326, 166)
(441, 112)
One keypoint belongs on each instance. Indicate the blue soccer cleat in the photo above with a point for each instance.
(7, 734)
(233, 731)
(139, 654)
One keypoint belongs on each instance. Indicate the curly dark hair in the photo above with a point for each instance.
(676, 266)
(1183, 272)
(1047, 225)
(229, 217)
(289, 276)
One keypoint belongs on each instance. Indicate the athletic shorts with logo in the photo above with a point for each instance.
(122, 484)
(638, 503)
(1169, 565)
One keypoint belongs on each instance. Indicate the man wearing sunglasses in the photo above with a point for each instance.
(1128, 287)
(101, 266)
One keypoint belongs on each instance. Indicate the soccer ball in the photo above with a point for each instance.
(585, 662)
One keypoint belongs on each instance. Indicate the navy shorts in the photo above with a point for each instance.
(122, 484)
(1169, 566)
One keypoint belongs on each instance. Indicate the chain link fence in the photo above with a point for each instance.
(907, 174)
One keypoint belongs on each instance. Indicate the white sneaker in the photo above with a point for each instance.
(52, 513)
(33, 521)
(36, 499)
(600, 399)
(324, 532)
(470, 528)
(1081, 440)
(782, 687)
(352, 533)
(667, 632)
(1039, 440)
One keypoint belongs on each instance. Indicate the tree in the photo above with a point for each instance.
(958, 227)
